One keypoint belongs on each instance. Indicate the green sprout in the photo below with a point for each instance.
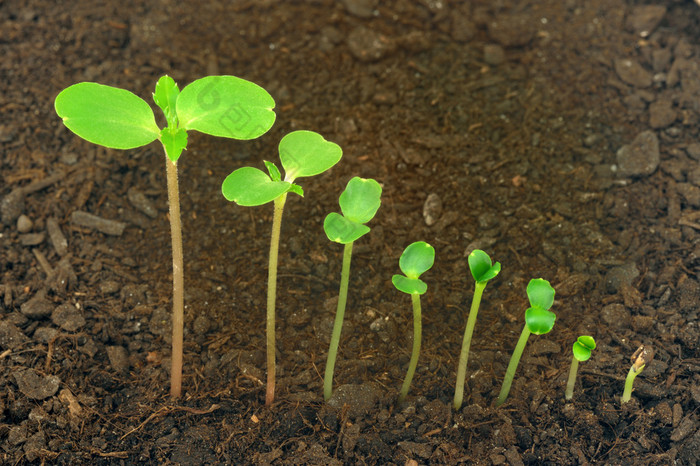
(224, 106)
(640, 359)
(482, 270)
(302, 153)
(416, 259)
(538, 320)
(359, 203)
(583, 346)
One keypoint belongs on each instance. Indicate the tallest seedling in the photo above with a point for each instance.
(224, 106)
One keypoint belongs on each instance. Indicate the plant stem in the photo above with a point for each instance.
(178, 278)
(338, 322)
(513, 365)
(272, 296)
(572, 379)
(417, 331)
(629, 381)
(466, 343)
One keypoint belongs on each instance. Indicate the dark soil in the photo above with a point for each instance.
(562, 137)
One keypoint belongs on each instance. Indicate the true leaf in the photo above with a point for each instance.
(174, 142)
(273, 171)
(481, 267)
(306, 153)
(226, 106)
(249, 186)
(341, 230)
(165, 97)
(416, 259)
(107, 115)
(409, 285)
(360, 200)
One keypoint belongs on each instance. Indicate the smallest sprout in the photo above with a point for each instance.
(640, 359)
(583, 346)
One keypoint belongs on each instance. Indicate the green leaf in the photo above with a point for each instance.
(539, 321)
(249, 186)
(165, 97)
(296, 189)
(341, 230)
(273, 171)
(481, 267)
(107, 115)
(173, 142)
(416, 259)
(540, 293)
(583, 346)
(361, 199)
(226, 106)
(305, 153)
(409, 285)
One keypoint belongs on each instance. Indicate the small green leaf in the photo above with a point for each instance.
(540, 293)
(361, 199)
(481, 267)
(296, 189)
(305, 153)
(273, 171)
(416, 259)
(409, 285)
(107, 115)
(583, 346)
(341, 230)
(165, 97)
(173, 142)
(226, 106)
(539, 321)
(249, 186)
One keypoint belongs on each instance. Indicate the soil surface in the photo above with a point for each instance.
(561, 137)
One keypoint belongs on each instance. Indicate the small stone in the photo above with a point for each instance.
(45, 334)
(141, 202)
(620, 276)
(643, 19)
(511, 30)
(693, 150)
(201, 325)
(118, 358)
(109, 287)
(432, 209)
(56, 236)
(367, 45)
(661, 114)
(494, 54)
(34, 386)
(360, 8)
(686, 426)
(641, 157)
(32, 239)
(615, 315)
(12, 206)
(24, 224)
(68, 317)
(631, 72)
(360, 399)
(34, 446)
(108, 227)
(37, 307)
(690, 193)
(11, 337)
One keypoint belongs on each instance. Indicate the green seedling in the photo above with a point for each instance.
(302, 153)
(359, 203)
(583, 346)
(416, 259)
(482, 270)
(538, 320)
(224, 106)
(640, 359)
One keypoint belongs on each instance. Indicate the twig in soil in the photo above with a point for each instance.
(44, 263)
(169, 409)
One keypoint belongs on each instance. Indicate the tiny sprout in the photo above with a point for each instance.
(359, 203)
(583, 346)
(416, 259)
(640, 359)
(538, 320)
(302, 153)
(482, 270)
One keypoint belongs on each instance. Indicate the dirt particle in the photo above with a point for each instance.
(36, 387)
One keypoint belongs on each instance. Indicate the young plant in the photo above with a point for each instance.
(583, 346)
(302, 153)
(538, 320)
(224, 106)
(482, 270)
(640, 359)
(416, 259)
(359, 203)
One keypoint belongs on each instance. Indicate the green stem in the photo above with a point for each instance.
(572, 379)
(272, 296)
(338, 323)
(629, 381)
(466, 343)
(178, 278)
(417, 331)
(513, 365)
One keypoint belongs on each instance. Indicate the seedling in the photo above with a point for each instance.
(583, 346)
(640, 359)
(359, 203)
(224, 106)
(538, 320)
(482, 270)
(416, 259)
(302, 153)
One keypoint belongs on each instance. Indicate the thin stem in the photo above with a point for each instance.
(272, 296)
(178, 278)
(417, 331)
(338, 323)
(513, 365)
(629, 381)
(466, 343)
(572, 379)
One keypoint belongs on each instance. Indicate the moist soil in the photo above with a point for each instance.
(561, 137)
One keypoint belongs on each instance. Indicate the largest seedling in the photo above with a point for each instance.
(224, 106)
